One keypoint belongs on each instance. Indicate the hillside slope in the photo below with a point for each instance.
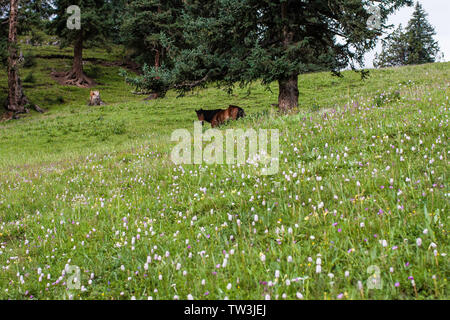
(362, 189)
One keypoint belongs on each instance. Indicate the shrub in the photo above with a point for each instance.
(151, 81)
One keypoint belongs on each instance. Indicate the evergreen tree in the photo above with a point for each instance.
(419, 32)
(36, 12)
(94, 24)
(415, 45)
(33, 19)
(32, 16)
(147, 27)
(154, 30)
(247, 40)
(394, 51)
(116, 12)
(4, 31)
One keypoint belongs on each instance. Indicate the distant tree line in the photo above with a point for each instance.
(414, 45)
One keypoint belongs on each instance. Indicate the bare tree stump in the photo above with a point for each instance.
(8, 115)
(95, 99)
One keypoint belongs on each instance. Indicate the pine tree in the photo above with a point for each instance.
(93, 28)
(248, 40)
(419, 32)
(394, 51)
(4, 31)
(153, 29)
(414, 45)
(116, 12)
(147, 26)
(33, 19)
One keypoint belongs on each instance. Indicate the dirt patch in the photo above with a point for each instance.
(62, 79)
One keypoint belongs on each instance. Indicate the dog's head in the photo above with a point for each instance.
(94, 95)
(200, 115)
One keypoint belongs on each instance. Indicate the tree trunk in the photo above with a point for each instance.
(157, 57)
(77, 67)
(288, 95)
(76, 76)
(15, 94)
(156, 95)
(158, 50)
(17, 101)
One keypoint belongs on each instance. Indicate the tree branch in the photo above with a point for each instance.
(191, 85)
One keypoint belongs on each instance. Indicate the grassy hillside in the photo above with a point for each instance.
(362, 189)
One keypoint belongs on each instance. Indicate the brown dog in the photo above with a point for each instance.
(233, 112)
(206, 115)
(218, 117)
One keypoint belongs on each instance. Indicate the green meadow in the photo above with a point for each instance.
(358, 209)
